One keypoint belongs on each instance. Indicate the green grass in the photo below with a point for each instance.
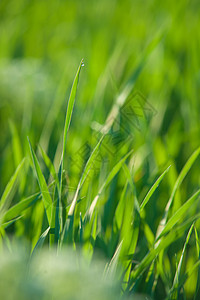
(113, 174)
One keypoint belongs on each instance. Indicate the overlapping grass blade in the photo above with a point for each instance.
(176, 286)
(110, 176)
(111, 269)
(41, 240)
(70, 107)
(178, 182)
(5, 198)
(43, 186)
(152, 189)
(49, 165)
(179, 214)
(85, 173)
(167, 240)
(18, 208)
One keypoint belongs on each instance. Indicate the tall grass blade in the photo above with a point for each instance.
(176, 286)
(5, 198)
(40, 242)
(43, 185)
(179, 214)
(110, 176)
(152, 189)
(178, 182)
(18, 208)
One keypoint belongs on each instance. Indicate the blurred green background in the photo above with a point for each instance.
(41, 45)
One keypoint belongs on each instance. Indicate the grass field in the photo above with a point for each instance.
(99, 149)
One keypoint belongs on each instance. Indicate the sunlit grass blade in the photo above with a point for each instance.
(85, 173)
(18, 208)
(167, 240)
(5, 198)
(112, 267)
(119, 212)
(43, 186)
(17, 148)
(178, 182)
(110, 176)
(68, 117)
(7, 224)
(41, 240)
(49, 164)
(152, 189)
(179, 214)
(176, 286)
(71, 106)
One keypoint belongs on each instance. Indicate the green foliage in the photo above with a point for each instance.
(117, 173)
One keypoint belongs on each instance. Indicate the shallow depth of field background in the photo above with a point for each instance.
(41, 46)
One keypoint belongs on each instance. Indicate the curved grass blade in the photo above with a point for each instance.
(111, 269)
(41, 240)
(7, 224)
(167, 240)
(152, 189)
(176, 286)
(49, 164)
(68, 117)
(17, 209)
(43, 185)
(86, 170)
(70, 107)
(179, 214)
(110, 176)
(178, 182)
(5, 198)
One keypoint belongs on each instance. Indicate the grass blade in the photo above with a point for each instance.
(179, 214)
(178, 182)
(43, 185)
(110, 176)
(7, 192)
(174, 290)
(84, 174)
(41, 240)
(152, 189)
(17, 209)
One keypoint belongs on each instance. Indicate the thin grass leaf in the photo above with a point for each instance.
(70, 107)
(5, 198)
(110, 176)
(43, 186)
(152, 189)
(176, 286)
(41, 240)
(7, 224)
(18, 208)
(179, 214)
(111, 269)
(49, 165)
(119, 212)
(178, 182)
(84, 175)
(167, 240)
(17, 148)
(68, 117)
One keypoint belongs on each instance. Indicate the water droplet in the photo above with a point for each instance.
(82, 65)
